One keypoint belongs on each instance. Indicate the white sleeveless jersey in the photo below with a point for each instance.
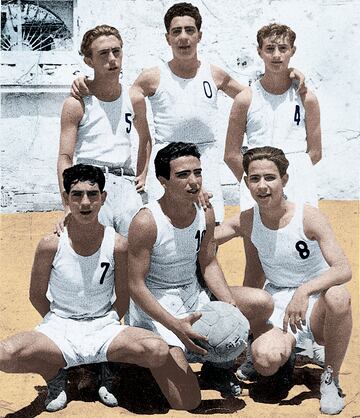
(104, 131)
(185, 109)
(174, 255)
(287, 256)
(81, 287)
(276, 120)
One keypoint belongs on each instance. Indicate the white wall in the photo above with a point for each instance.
(327, 53)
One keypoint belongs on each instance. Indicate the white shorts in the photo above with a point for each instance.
(121, 204)
(82, 341)
(301, 187)
(281, 298)
(180, 302)
(210, 172)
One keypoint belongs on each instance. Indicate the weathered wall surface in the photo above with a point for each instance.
(327, 52)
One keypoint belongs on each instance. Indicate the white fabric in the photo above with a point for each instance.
(172, 275)
(82, 341)
(104, 131)
(280, 259)
(271, 121)
(186, 110)
(74, 289)
(281, 298)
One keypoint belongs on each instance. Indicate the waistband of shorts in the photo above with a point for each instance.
(109, 168)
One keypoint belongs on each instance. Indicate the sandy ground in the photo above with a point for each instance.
(23, 395)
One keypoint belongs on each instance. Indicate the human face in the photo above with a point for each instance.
(185, 179)
(183, 37)
(265, 184)
(106, 55)
(276, 52)
(85, 201)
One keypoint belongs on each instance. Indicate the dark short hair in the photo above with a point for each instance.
(94, 33)
(275, 29)
(83, 172)
(273, 154)
(171, 152)
(182, 9)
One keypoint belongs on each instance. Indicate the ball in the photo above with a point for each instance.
(227, 331)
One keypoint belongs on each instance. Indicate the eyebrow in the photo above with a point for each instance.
(186, 27)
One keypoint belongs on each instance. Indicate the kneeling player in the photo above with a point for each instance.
(81, 267)
(166, 238)
(293, 247)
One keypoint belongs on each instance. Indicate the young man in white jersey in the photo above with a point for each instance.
(272, 113)
(292, 247)
(72, 282)
(96, 129)
(162, 271)
(183, 98)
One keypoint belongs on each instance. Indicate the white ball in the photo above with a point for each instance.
(227, 330)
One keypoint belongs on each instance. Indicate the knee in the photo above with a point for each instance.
(9, 354)
(338, 300)
(269, 357)
(156, 352)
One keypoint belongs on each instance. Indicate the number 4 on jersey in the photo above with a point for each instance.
(297, 114)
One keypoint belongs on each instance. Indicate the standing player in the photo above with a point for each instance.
(183, 98)
(81, 268)
(96, 129)
(271, 113)
(292, 246)
(162, 270)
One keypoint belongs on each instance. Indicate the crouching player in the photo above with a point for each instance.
(294, 248)
(81, 268)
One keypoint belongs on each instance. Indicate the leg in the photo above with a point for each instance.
(168, 366)
(31, 352)
(331, 324)
(256, 304)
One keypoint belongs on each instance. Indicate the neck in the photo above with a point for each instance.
(86, 234)
(105, 89)
(272, 214)
(185, 68)
(276, 83)
(179, 219)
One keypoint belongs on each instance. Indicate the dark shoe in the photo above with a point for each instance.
(222, 380)
(105, 389)
(56, 397)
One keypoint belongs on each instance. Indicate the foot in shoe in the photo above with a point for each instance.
(223, 380)
(331, 400)
(56, 397)
(105, 390)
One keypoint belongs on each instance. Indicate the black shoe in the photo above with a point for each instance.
(283, 380)
(222, 380)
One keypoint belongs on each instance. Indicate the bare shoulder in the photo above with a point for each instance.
(315, 222)
(48, 245)
(143, 228)
(309, 98)
(73, 108)
(147, 82)
(243, 98)
(121, 244)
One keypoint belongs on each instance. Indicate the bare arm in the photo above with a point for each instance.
(40, 273)
(235, 133)
(144, 86)
(210, 268)
(317, 227)
(71, 116)
(227, 230)
(312, 124)
(225, 82)
(140, 247)
(254, 274)
(121, 303)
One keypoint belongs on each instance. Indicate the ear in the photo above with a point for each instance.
(88, 61)
(293, 50)
(284, 179)
(103, 197)
(65, 197)
(163, 181)
(259, 51)
(200, 36)
(167, 38)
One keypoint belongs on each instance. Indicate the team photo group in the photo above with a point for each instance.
(130, 273)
